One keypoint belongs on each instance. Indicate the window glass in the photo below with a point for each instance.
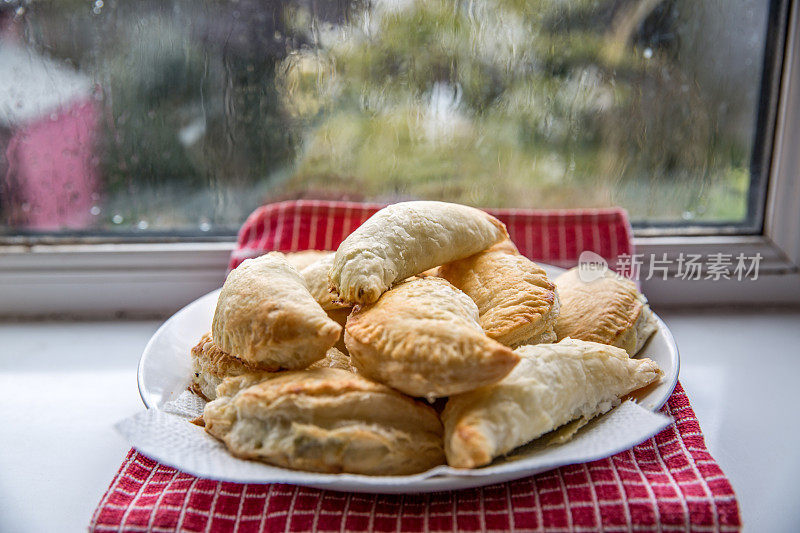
(181, 116)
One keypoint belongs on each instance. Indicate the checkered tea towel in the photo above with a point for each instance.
(554, 237)
(667, 483)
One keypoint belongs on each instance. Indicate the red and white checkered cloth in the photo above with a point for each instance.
(668, 483)
(556, 237)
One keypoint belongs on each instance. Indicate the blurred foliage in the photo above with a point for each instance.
(500, 103)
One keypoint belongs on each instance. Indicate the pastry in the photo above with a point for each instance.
(266, 316)
(326, 420)
(210, 366)
(405, 239)
(334, 358)
(300, 260)
(608, 310)
(518, 304)
(316, 276)
(423, 338)
(552, 385)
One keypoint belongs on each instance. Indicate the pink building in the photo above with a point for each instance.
(48, 121)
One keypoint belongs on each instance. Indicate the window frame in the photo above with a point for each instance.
(96, 277)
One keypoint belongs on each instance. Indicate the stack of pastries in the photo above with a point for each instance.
(425, 339)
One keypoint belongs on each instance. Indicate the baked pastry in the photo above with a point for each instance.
(608, 310)
(423, 338)
(518, 304)
(210, 366)
(326, 420)
(334, 358)
(404, 239)
(316, 276)
(552, 385)
(300, 260)
(266, 316)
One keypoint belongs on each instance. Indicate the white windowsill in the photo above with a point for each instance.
(138, 280)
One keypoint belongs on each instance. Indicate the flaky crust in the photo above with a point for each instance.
(327, 420)
(423, 338)
(608, 310)
(316, 276)
(517, 303)
(210, 366)
(266, 316)
(552, 385)
(405, 239)
(334, 358)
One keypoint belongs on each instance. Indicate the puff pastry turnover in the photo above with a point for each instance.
(266, 316)
(210, 366)
(334, 358)
(552, 385)
(423, 338)
(326, 420)
(608, 310)
(316, 276)
(518, 304)
(405, 239)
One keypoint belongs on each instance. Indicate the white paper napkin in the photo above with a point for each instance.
(167, 436)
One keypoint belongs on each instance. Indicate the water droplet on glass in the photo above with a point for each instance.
(95, 210)
(687, 215)
(205, 225)
(117, 219)
(648, 53)
(142, 224)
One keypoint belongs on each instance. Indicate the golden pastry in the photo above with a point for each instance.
(266, 316)
(423, 338)
(405, 239)
(326, 420)
(316, 276)
(210, 366)
(608, 310)
(334, 358)
(552, 385)
(518, 304)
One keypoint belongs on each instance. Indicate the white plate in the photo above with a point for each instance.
(164, 371)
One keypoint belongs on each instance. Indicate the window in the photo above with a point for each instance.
(168, 122)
